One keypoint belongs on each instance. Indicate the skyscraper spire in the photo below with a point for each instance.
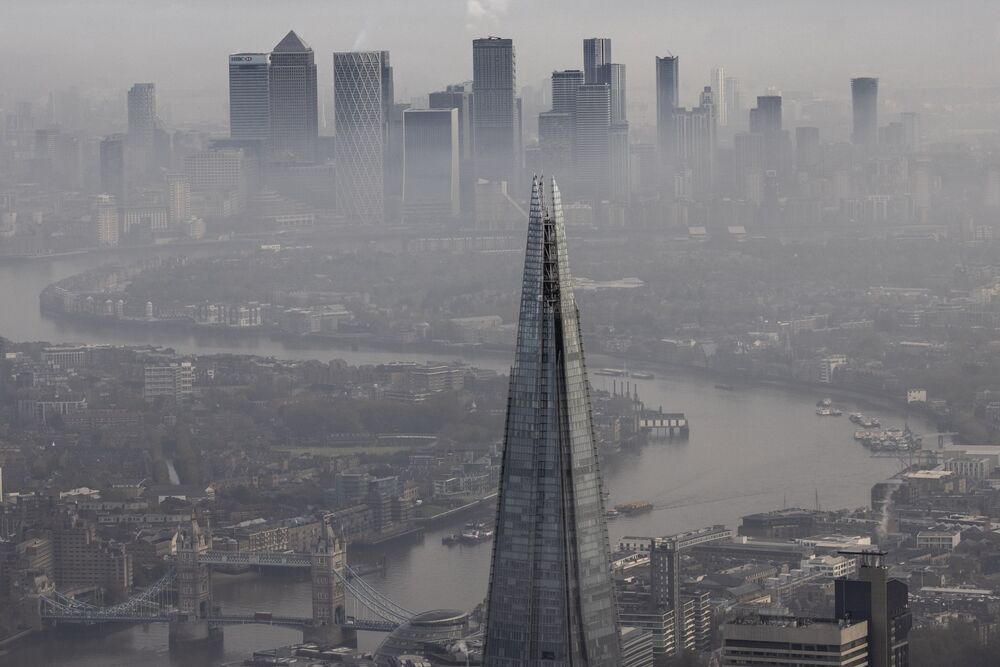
(551, 599)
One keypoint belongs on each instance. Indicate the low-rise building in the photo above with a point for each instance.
(939, 539)
(792, 642)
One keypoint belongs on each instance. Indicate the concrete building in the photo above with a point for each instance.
(249, 96)
(105, 220)
(831, 567)
(293, 104)
(792, 642)
(363, 100)
(228, 172)
(143, 219)
(939, 539)
(178, 197)
(592, 141)
(172, 381)
(637, 647)
(718, 85)
(883, 603)
(83, 561)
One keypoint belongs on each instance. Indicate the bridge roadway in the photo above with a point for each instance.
(255, 558)
(97, 616)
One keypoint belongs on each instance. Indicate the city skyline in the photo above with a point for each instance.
(293, 366)
(761, 70)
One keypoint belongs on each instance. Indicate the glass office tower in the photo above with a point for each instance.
(551, 601)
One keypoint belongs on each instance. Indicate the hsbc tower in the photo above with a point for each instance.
(249, 96)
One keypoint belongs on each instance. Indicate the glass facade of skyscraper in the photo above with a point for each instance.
(551, 600)
(249, 98)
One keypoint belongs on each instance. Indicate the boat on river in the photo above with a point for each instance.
(636, 507)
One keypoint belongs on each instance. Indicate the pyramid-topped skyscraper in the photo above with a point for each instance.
(551, 600)
(294, 109)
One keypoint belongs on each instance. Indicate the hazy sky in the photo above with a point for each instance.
(792, 44)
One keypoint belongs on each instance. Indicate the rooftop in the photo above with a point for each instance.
(291, 43)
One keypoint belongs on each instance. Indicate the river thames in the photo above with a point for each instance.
(751, 450)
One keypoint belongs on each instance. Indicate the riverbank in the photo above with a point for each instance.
(504, 353)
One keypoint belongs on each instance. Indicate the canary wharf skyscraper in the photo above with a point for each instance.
(551, 600)
(249, 96)
(495, 120)
(292, 88)
(362, 97)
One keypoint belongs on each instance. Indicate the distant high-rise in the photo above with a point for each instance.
(864, 103)
(666, 102)
(458, 96)
(361, 82)
(614, 76)
(105, 217)
(596, 54)
(619, 183)
(564, 85)
(178, 197)
(495, 121)
(883, 603)
(765, 118)
(555, 141)
(142, 117)
(249, 96)
(748, 165)
(551, 599)
(694, 145)
(430, 165)
(592, 155)
(114, 175)
(294, 108)
(732, 101)
(718, 84)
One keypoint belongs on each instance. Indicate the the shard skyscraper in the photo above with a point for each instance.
(551, 600)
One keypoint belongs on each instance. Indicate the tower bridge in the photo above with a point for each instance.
(183, 596)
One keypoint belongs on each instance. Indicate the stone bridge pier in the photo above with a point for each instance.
(328, 595)
(190, 624)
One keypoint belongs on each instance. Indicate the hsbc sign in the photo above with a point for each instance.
(248, 59)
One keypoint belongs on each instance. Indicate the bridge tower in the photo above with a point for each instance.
(328, 595)
(194, 590)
